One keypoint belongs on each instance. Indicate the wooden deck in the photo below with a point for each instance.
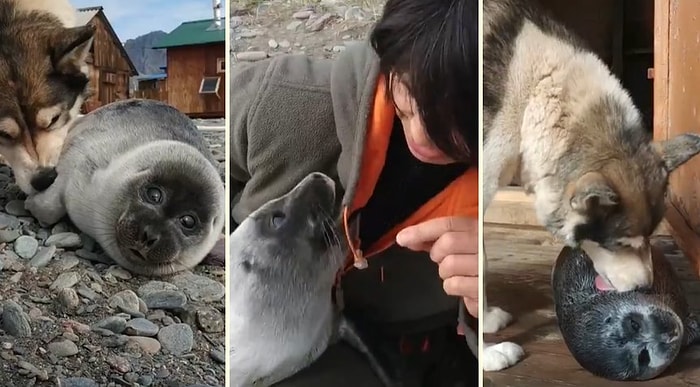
(519, 269)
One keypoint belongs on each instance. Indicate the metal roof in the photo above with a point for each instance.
(194, 33)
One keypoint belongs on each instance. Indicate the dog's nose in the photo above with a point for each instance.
(43, 178)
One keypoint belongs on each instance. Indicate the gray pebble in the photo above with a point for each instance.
(126, 299)
(113, 324)
(7, 236)
(292, 26)
(218, 356)
(176, 339)
(141, 327)
(167, 320)
(154, 286)
(115, 341)
(14, 321)
(33, 370)
(131, 377)
(26, 246)
(68, 261)
(68, 298)
(64, 240)
(16, 208)
(210, 320)
(199, 288)
(65, 280)
(59, 228)
(119, 272)
(77, 382)
(43, 256)
(165, 299)
(8, 221)
(251, 56)
(145, 380)
(63, 348)
(87, 293)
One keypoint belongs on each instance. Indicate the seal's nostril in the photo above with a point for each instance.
(44, 178)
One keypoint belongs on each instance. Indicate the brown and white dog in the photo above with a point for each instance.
(44, 82)
(556, 115)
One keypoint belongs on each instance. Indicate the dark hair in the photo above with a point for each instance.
(433, 46)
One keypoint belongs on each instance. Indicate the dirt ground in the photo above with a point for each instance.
(320, 29)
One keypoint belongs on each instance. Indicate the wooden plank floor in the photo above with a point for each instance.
(519, 269)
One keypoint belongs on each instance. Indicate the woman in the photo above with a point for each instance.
(395, 122)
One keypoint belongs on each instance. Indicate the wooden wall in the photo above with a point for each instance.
(153, 89)
(186, 68)
(109, 70)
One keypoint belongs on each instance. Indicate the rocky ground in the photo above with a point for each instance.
(321, 29)
(69, 319)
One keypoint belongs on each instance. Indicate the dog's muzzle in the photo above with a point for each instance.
(43, 178)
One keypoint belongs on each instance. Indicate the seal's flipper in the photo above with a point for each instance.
(47, 206)
(692, 329)
(465, 328)
(351, 335)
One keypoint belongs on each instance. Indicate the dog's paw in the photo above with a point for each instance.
(500, 356)
(496, 319)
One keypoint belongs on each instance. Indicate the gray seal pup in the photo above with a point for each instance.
(631, 335)
(138, 177)
(284, 259)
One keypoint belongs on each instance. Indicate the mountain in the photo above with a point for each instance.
(146, 59)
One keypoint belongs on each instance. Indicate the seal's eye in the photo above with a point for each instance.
(188, 221)
(154, 195)
(276, 219)
(54, 120)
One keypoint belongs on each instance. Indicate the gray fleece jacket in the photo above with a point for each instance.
(293, 115)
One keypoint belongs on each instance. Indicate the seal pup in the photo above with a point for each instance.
(138, 177)
(632, 335)
(284, 259)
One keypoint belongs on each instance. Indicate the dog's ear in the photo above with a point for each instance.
(591, 193)
(71, 47)
(676, 151)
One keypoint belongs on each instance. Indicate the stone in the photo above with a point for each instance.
(176, 339)
(65, 240)
(120, 364)
(16, 208)
(7, 236)
(251, 56)
(65, 280)
(119, 272)
(26, 246)
(165, 299)
(148, 345)
(210, 320)
(285, 43)
(141, 327)
(77, 382)
(126, 300)
(68, 298)
(43, 256)
(303, 15)
(317, 24)
(113, 324)
(15, 321)
(272, 43)
(199, 288)
(63, 348)
(293, 26)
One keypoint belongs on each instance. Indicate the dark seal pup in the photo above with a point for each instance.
(284, 259)
(632, 335)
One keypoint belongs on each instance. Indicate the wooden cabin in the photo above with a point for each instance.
(110, 65)
(152, 86)
(654, 47)
(196, 68)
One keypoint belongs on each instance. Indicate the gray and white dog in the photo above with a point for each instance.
(138, 177)
(284, 258)
(556, 115)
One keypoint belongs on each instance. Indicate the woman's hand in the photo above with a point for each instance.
(453, 243)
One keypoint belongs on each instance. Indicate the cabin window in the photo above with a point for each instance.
(221, 65)
(209, 85)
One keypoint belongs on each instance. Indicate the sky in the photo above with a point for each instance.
(140, 17)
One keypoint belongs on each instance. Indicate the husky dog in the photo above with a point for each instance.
(556, 115)
(44, 78)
